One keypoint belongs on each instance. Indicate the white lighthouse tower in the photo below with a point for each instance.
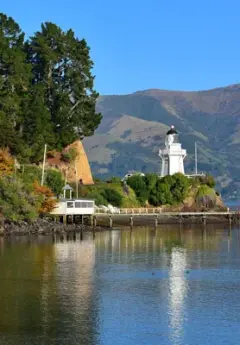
(172, 155)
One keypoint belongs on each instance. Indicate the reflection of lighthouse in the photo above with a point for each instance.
(178, 289)
(172, 155)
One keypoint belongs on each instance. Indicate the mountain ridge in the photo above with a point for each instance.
(134, 125)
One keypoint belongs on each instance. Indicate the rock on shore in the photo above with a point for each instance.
(40, 226)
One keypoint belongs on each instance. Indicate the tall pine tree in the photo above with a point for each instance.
(14, 83)
(61, 64)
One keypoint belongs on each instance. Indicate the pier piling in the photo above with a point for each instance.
(131, 221)
(110, 222)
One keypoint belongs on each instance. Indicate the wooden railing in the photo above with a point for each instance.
(129, 211)
(155, 211)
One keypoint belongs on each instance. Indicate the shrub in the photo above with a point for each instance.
(207, 180)
(54, 180)
(138, 184)
(6, 162)
(70, 155)
(46, 197)
(98, 198)
(30, 174)
(179, 187)
(151, 181)
(112, 196)
(17, 200)
(161, 194)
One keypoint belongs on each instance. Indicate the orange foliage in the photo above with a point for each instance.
(6, 162)
(48, 202)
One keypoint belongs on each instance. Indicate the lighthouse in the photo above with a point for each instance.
(172, 155)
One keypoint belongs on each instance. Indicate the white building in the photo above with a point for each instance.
(172, 155)
(74, 207)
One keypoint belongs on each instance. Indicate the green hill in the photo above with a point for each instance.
(133, 129)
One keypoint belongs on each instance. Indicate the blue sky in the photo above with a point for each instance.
(140, 44)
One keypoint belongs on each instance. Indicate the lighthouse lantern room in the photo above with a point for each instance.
(172, 155)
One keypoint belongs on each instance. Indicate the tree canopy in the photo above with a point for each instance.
(47, 90)
(159, 191)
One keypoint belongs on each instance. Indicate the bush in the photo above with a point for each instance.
(70, 155)
(17, 200)
(138, 184)
(46, 198)
(54, 180)
(205, 197)
(98, 198)
(159, 191)
(6, 162)
(207, 180)
(151, 181)
(179, 187)
(161, 194)
(112, 196)
(30, 174)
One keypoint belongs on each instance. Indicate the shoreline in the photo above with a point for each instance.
(47, 226)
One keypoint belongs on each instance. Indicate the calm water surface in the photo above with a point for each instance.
(167, 286)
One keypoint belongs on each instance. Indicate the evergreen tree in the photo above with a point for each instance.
(38, 129)
(14, 83)
(61, 64)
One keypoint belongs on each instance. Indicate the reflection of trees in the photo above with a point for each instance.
(46, 291)
(23, 288)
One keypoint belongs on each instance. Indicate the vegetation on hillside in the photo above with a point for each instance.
(159, 191)
(151, 191)
(47, 93)
(111, 192)
(21, 195)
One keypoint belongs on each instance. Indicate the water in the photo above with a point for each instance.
(146, 287)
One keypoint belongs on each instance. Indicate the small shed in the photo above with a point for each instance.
(77, 207)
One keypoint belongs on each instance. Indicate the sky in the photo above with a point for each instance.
(145, 44)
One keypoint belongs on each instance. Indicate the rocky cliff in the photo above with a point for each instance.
(72, 162)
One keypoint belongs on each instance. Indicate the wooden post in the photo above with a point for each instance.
(156, 221)
(110, 221)
(204, 219)
(91, 220)
(131, 221)
(64, 219)
(95, 222)
(82, 220)
(74, 236)
(81, 234)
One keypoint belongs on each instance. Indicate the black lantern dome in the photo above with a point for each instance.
(172, 130)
